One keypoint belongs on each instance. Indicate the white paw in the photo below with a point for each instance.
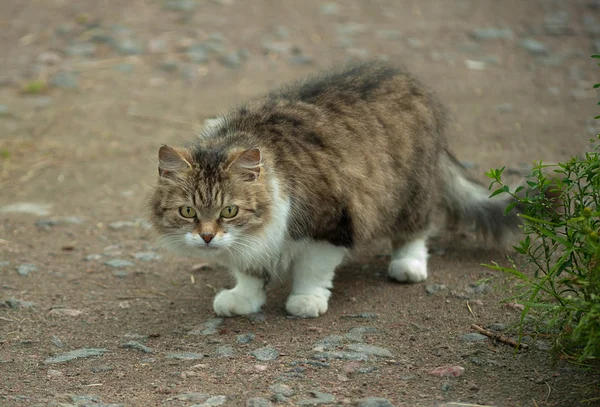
(306, 305)
(231, 302)
(408, 270)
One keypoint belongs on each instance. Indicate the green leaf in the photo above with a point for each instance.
(499, 191)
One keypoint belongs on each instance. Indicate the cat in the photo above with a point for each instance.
(291, 182)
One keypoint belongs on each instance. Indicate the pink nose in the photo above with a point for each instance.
(207, 237)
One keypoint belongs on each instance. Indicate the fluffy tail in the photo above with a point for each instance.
(467, 201)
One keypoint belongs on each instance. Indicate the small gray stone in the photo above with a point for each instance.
(193, 397)
(92, 257)
(14, 303)
(367, 369)
(180, 5)
(122, 224)
(76, 354)
(435, 288)
(356, 334)
(329, 9)
(389, 34)
(147, 256)
(57, 342)
(342, 355)
(123, 68)
(473, 337)
(81, 49)
(318, 364)
(128, 46)
(414, 43)
(245, 338)
(208, 328)
(369, 350)
(118, 263)
(364, 315)
(137, 346)
(102, 369)
(265, 354)
(42, 102)
(534, 47)
(483, 34)
(197, 53)
(480, 288)
(497, 327)
(25, 269)
(504, 107)
(374, 402)
(231, 60)
(351, 28)
(65, 80)
(120, 273)
(4, 111)
(557, 23)
(319, 398)
(258, 402)
(4, 263)
(185, 355)
(224, 351)
(169, 65)
(212, 401)
(283, 389)
(330, 342)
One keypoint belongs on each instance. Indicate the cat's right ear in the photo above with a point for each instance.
(171, 160)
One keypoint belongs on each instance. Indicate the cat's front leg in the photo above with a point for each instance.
(312, 274)
(247, 297)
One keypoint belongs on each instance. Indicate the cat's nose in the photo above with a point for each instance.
(207, 237)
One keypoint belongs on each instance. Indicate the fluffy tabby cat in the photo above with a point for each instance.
(290, 182)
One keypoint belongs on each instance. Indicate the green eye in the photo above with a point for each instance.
(229, 212)
(187, 212)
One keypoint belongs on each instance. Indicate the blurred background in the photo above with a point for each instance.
(90, 89)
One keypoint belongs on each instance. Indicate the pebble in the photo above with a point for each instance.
(4, 111)
(92, 257)
(122, 224)
(475, 65)
(283, 389)
(28, 207)
(473, 337)
(146, 256)
(447, 371)
(123, 68)
(414, 43)
(245, 338)
(64, 312)
(231, 60)
(364, 315)
(435, 288)
(76, 354)
(197, 53)
(224, 351)
(185, 355)
(374, 402)
(557, 23)
(356, 334)
(208, 328)
(367, 369)
(258, 402)
(534, 47)
(169, 65)
(329, 9)
(4, 263)
(179, 5)
(265, 354)
(212, 401)
(329, 342)
(483, 34)
(81, 49)
(25, 269)
(342, 355)
(369, 350)
(351, 28)
(128, 46)
(15, 303)
(504, 107)
(56, 341)
(49, 58)
(120, 273)
(389, 34)
(65, 80)
(480, 288)
(497, 327)
(318, 398)
(193, 397)
(135, 345)
(102, 369)
(54, 373)
(118, 263)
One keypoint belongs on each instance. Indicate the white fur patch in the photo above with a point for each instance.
(409, 262)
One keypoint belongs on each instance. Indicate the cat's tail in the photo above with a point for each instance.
(467, 201)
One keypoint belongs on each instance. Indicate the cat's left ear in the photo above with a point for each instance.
(172, 160)
(246, 163)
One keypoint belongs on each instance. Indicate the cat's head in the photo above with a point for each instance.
(210, 202)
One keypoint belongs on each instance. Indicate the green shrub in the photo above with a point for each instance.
(561, 224)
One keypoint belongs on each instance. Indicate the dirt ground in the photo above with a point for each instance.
(90, 89)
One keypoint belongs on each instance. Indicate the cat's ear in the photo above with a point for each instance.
(172, 160)
(246, 163)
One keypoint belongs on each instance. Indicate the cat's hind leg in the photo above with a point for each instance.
(313, 270)
(409, 258)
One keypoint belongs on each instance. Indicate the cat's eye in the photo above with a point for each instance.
(229, 212)
(187, 212)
